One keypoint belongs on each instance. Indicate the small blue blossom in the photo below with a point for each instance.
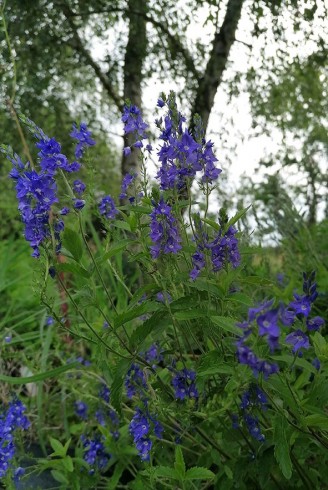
(94, 453)
(81, 409)
(299, 340)
(127, 181)
(107, 207)
(78, 204)
(133, 122)
(83, 136)
(163, 231)
(184, 384)
(135, 381)
(315, 323)
(79, 186)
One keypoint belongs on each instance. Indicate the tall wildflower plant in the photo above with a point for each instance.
(184, 371)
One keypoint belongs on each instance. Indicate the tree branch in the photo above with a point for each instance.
(79, 46)
(175, 41)
(216, 65)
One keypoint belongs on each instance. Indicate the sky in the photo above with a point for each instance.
(230, 125)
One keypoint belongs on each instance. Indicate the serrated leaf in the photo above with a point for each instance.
(122, 225)
(73, 243)
(281, 449)
(197, 473)
(212, 223)
(58, 476)
(57, 447)
(115, 477)
(68, 463)
(53, 373)
(226, 323)
(116, 388)
(237, 217)
(240, 298)
(74, 268)
(114, 249)
(211, 363)
(135, 312)
(166, 472)
(179, 463)
(189, 314)
(140, 334)
(316, 420)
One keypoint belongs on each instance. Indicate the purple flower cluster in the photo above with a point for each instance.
(252, 399)
(135, 381)
(37, 190)
(128, 179)
(10, 420)
(141, 425)
(83, 137)
(109, 418)
(163, 230)
(223, 249)
(94, 453)
(107, 207)
(180, 155)
(133, 123)
(268, 319)
(184, 384)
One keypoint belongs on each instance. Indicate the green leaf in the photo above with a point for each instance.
(237, 217)
(73, 243)
(320, 346)
(212, 223)
(166, 472)
(57, 447)
(197, 473)
(58, 476)
(122, 225)
(74, 268)
(117, 384)
(68, 464)
(115, 249)
(140, 334)
(179, 463)
(240, 298)
(53, 373)
(316, 420)
(189, 314)
(226, 323)
(281, 449)
(135, 312)
(115, 477)
(211, 363)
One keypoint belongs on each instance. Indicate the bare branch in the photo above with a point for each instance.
(160, 26)
(79, 46)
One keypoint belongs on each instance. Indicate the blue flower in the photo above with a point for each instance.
(107, 207)
(163, 231)
(79, 186)
(141, 425)
(299, 340)
(95, 454)
(83, 136)
(81, 409)
(135, 381)
(78, 204)
(184, 384)
(315, 323)
(127, 181)
(133, 122)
